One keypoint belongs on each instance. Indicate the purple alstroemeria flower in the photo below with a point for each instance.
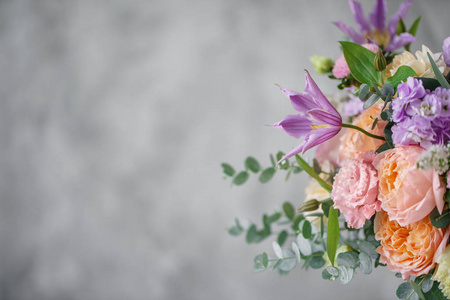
(317, 120)
(446, 51)
(376, 30)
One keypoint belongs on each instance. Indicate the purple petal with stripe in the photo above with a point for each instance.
(350, 32)
(358, 15)
(400, 40)
(378, 16)
(295, 125)
(322, 102)
(301, 102)
(325, 118)
(401, 13)
(319, 136)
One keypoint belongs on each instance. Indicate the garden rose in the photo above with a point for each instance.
(354, 142)
(412, 249)
(406, 193)
(355, 190)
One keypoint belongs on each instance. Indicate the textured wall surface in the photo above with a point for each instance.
(114, 119)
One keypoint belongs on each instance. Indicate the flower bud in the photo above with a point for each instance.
(310, 205)
(322, 64)
(380, 61)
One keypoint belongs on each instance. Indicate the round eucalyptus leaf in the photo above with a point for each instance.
(277, 249)
(304, 245)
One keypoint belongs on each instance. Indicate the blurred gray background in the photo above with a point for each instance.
(115, 117)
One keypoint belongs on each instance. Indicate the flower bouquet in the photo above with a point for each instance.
(380, 188)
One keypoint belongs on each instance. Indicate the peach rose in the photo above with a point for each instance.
(412, 249)
(355, 190)
(354, 142)
(406, 193)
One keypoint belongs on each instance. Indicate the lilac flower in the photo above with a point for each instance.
(446, 51)
(317, 120)
(444, 95)
(379, 33)
(429, 107)
(407, 92)
(353, 107)
(413, 131)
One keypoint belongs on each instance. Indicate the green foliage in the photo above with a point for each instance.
(332, 234)
(442, 80)
(253, 166)
(360, 62)
(438, 220)
(400, 76)
(429, 83)
(240, 178)
(288, 210)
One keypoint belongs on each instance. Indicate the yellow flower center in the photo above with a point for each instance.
(382, 38)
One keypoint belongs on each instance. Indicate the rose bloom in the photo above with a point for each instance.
(355, 190)
(442, 272)
(406, 193)
(412, 249)
(420, 64)
(354, 142)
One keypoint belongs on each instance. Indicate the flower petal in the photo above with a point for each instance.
(401, 13)
(295, 125)
(358, 15)
(400, 41)
(446, 51)
(325, 118)
(319, 136)
(378, 16)
(350, 32)
(321, 101)
(300, 102)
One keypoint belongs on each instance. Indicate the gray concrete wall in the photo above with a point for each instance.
(114, 119)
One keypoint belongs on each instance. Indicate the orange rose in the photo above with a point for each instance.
(409, 250)
(354, 142)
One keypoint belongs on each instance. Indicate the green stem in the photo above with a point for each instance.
(363, 131)
(308, 169)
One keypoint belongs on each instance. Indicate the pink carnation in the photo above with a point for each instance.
(340, 69)
(355, 190)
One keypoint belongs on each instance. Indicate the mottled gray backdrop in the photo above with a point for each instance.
(114, 119)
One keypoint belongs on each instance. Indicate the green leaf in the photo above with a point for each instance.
(316, 166)
(252, 164)
(282, 237)
(368, 248)
(264, 260)
(404, 290)
(417, 290)
(252, 235)
(346, 275)
(435, 293)
(236, 230)
(326, 275)
(277, 264)
(289, 210)
(427, 284)
(240, 178)
(365, 263)
(386, 115)
(383, 147)
(429, 83)
(371, 101)
(326, 206)
(317, 262)
(401, 75)
(388, 134)
(438, 73)
(400, 27)
(414, 27)
(306, 230)
(347, 259)
(364, 90)
(360, 62)
(275, 217)
(305, 166)
(257, 263)
(227, 169)
(438, 220)
(332, 234)
(304, 245)
(267, 174)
